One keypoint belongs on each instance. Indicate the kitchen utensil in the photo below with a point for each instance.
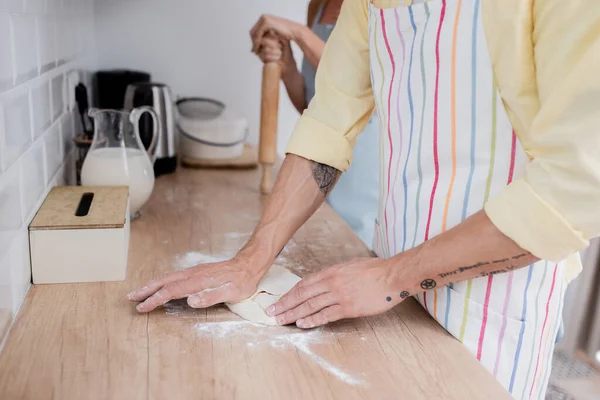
(269, 109)
(81, 97)
(208, 132)
(80, 234)
(117, 156)
(157, 96)
(111, 86)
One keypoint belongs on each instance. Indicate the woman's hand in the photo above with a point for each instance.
(359, 288)
(284, 29)
(203, 285)
(273, 50)
(270, 50)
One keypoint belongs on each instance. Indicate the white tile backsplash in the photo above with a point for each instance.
(32, 168)
(64, 39)
(42, 119)
(45, 32)
(54, 151)
(67, 133)
(6, 73)
(11, 214)
(36, 129)
(35, 6)
(13, 5)
(20, 268)
(17, 127)
(6, 301)
(57, 87)
(24, 47)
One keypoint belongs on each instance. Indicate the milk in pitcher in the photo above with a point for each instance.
(116, 166)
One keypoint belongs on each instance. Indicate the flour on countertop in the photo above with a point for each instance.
(193, 258)
(257, 335)
(238, 235)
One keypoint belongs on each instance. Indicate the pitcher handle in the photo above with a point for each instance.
(135, 116)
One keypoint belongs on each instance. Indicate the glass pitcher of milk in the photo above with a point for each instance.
(117, 156)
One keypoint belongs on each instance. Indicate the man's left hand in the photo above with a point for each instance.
(359, 288)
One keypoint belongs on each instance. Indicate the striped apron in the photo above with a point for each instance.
(447, 146)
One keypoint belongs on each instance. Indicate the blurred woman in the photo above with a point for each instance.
(355, 197)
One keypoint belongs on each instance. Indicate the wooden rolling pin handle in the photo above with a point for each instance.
(267, 152)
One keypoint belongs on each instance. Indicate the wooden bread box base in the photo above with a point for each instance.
(81, 234)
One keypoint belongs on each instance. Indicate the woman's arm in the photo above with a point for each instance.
(311, 45)
(294, 85)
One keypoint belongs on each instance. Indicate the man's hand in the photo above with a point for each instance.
(300, 189)
(359, 288)
(204, 285)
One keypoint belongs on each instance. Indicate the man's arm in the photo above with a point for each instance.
(300, 189)
(325, 134)
(549, 213)
(475, 248)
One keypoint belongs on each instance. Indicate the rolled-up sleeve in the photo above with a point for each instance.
(554, 208)
(343, 101)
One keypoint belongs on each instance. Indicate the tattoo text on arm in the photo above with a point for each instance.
(514, 263)
(514, 260)
(325, 176)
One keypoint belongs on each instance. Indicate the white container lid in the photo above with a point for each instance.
(206, 121)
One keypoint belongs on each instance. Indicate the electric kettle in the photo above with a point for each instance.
(158, 96)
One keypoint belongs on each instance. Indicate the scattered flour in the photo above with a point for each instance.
(257, 336)
(238, 235)
(232, 241)
(193, 258)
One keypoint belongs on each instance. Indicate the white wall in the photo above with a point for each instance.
(41, 42)
(198, 47)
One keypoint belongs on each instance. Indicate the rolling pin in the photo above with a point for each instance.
(269, 110)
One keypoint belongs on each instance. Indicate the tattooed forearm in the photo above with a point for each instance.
(480, 264)
(325, 176)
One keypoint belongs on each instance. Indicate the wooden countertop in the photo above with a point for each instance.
(84, 341)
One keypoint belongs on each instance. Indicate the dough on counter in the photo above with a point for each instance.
(275, 284)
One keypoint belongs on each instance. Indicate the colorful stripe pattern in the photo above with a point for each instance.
(447, 147)
(421, 124)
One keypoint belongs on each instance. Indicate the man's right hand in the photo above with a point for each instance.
(204, 285)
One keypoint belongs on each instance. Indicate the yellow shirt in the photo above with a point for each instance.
(546, 60)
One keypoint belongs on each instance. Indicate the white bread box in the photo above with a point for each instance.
(81, 234)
